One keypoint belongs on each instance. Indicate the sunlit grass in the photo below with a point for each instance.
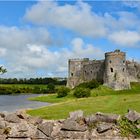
(102, 99)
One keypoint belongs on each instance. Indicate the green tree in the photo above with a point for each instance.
(2, 70)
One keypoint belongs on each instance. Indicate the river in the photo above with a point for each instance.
(12, 103)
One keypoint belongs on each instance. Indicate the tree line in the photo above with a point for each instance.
(47, 80)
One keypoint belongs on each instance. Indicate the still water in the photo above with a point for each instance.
(12, 103)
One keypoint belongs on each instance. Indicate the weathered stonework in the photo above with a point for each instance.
(99, 126)
(114, 71)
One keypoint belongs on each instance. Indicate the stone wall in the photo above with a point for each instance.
(99, 126)
(114, 71)
(115, 75)
(133, 69)
(94, 70)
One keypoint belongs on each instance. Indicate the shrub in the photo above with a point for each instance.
(91, 84)
(81, 92)
(128, 128)
(51, 88)
(62, 91)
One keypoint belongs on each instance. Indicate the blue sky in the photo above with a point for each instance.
(38, 37)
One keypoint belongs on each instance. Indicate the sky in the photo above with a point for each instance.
(38, 37)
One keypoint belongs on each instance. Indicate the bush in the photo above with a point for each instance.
(81, 92)
(91, 84)
(51, 88)
(128, 128)
(62, 91)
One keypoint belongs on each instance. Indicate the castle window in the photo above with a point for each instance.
(123, 69)
(111, 69)
(91, 71)
(123, 61)
(110, 61)
(71, 74)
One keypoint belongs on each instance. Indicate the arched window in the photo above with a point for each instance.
(71, 74)
(123, 69)
(111, 69)
(110, 61)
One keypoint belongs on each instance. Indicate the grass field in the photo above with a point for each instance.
(102, 99)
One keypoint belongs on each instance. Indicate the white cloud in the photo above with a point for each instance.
(80, 50)
(34, 57)
(132, 4)
(78, 17)
(125, 38)
(82, 19)
(2, 52)
(14, 37)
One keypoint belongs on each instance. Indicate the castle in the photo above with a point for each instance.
(114, 71)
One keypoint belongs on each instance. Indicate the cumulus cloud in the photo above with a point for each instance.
(14, 37)
(78, 17)
(34, 57)
(125, 38)
(2, 52)
(81, 18)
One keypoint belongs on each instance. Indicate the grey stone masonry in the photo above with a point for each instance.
(114, 71)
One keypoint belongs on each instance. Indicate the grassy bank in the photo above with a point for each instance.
(102, 99)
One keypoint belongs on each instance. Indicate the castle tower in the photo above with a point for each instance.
(75, 71)
(115, 75)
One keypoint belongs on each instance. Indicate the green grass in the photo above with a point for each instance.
(52, 98)
(103, 99)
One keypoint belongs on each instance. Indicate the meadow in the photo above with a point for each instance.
(103, 99)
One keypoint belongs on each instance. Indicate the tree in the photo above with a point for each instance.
(2, 70)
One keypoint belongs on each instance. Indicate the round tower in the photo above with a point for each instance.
(115, 75)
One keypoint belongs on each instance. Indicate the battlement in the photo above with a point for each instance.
(78, 59)
(115, 53)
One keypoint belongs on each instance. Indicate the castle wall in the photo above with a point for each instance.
(115, 75)
(76, 71)
(133, 69)
(94, 70)
(114, 71)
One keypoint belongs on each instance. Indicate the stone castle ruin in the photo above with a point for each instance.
(115, 71)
